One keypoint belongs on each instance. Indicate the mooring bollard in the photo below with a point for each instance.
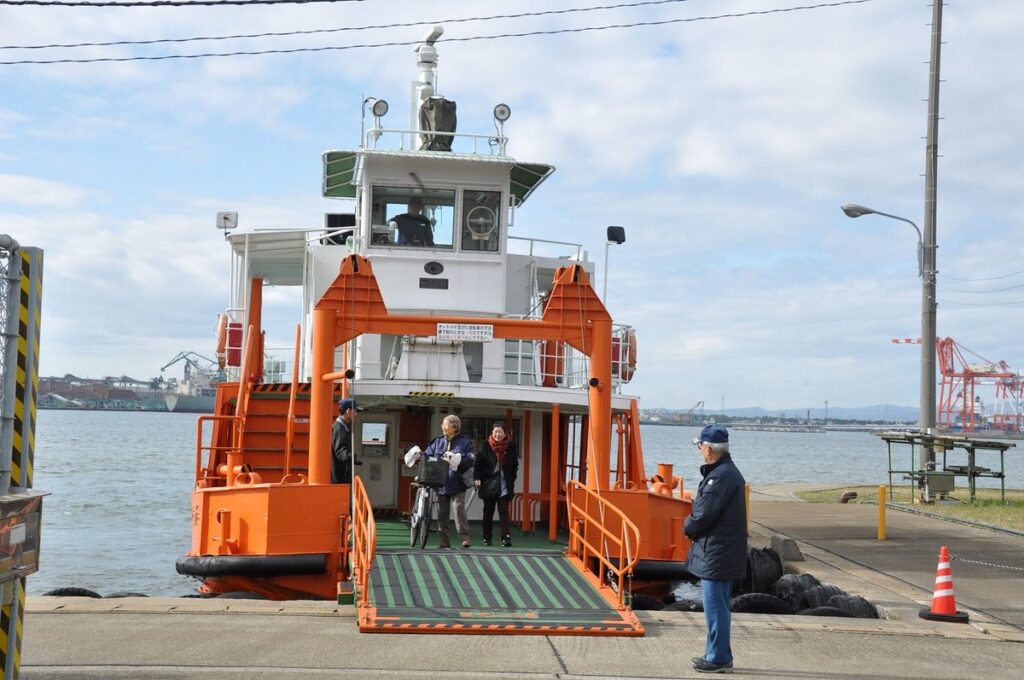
(881, 513)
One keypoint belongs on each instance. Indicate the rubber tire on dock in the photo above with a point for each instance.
(791, 587)
(684, 606)
(71, 592)
(824, 611)
(764, 567)
(641, 602)
(760, 603)
(854, 605)
(818, 596)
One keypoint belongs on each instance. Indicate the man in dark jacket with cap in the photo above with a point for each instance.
(341, 442)
(717, 526)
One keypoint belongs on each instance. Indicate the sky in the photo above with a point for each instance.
(723, 146)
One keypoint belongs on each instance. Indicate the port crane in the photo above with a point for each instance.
(963, 372)
(193, 362)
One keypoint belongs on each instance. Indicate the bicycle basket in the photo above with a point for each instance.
(433, 472)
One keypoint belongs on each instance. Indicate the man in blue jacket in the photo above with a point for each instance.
(454, 492)
(717, 526)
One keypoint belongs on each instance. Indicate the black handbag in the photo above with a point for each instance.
(490, 488)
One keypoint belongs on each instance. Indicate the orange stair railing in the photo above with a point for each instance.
(591, 517)
(289, 431)
(364, 541)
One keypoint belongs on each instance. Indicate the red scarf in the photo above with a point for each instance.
(498, 448)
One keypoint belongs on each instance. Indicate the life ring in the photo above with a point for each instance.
(222, 340)
(626, 365)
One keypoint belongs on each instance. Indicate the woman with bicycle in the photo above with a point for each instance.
(453, 495)
(494, 474)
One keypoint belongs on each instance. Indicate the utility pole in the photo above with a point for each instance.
(826, 411)
(928, 302)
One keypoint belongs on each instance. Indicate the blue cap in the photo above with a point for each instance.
(346, 404)
(713, 434)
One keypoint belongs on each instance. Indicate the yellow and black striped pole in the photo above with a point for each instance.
(21, 381)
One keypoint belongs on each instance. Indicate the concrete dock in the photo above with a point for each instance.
(156, 638)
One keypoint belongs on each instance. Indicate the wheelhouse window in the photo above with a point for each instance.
(413, 218)
(481, 220)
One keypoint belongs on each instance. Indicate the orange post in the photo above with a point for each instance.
(553, 478)
(600, 404)
(527, 523)
(256, 326)
(881, 513)
(321, 396)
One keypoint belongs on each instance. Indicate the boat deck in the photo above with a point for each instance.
(512, 590)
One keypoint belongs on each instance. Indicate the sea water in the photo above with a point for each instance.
(118, 514)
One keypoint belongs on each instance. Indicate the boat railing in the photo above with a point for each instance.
(206, 474)
(364, 540)
(534, 245)
(598, 530)
(556, 364)
(408, 140)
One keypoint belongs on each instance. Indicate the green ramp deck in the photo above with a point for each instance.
(507, 591)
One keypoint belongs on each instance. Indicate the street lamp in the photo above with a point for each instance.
(926, 270)
(616, 235)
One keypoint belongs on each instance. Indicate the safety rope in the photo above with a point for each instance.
(985, 564)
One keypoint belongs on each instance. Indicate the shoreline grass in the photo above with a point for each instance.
(987, 507)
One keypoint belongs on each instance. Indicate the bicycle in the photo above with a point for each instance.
(433, 474)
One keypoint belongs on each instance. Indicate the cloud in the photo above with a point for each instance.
(724, 148)
(34, 191)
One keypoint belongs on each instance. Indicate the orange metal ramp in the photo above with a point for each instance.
(507, 592)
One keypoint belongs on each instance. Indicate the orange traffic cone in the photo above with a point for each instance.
(943, 601)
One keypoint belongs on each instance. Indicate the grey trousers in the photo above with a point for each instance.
(444, 506)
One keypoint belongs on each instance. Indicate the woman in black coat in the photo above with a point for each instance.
(497, 464)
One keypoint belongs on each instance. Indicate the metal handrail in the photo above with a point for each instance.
(626, 542)
(496, 141)
(289, 429)
(236, 421)
(364, 540)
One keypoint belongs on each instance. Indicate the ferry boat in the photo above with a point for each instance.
(448, 314)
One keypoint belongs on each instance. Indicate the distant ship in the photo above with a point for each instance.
(197, 390)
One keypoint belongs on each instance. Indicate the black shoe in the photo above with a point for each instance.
(702, 665)
(487, 541)
(506, 542)
(445, 546)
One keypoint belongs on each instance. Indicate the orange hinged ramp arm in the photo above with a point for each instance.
(353, 305)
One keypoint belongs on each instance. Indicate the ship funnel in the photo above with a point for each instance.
(430, 114)
(426, 81)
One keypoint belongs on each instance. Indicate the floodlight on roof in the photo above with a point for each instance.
(502, 112)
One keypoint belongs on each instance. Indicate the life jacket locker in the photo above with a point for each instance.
(234, 344)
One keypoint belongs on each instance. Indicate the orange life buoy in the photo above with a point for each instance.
(626, 364)
(222, 340)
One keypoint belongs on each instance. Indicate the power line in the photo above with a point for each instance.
(991, 278)
(164, 3)
(499, 36)
(988, 304)
(410, 24)
(979, 292)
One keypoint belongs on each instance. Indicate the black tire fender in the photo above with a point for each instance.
(71, 592)
(854, 605)
(760, 603)
(823, 611)
(818, 596)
